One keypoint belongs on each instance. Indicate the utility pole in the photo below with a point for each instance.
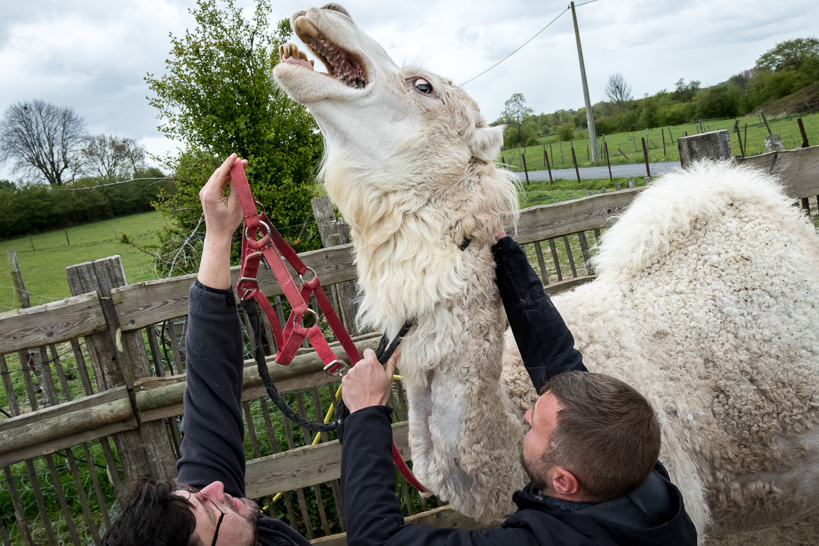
(589, 115)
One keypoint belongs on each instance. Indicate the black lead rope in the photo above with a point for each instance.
(385, 350)
(383, 353)
(250, 307)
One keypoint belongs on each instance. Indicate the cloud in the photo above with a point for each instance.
(92, 55)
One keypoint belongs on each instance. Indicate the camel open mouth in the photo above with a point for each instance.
(341, 64)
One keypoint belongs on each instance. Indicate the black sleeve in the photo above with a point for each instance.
(212, 447)
(368, 488)
(545, 342)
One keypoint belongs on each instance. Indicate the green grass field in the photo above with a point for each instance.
(627, 148)
(43, 267)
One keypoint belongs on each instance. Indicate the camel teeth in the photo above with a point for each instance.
(302, 55)
(312, 63)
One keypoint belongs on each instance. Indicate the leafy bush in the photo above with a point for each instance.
(28, 208)
(565, 132)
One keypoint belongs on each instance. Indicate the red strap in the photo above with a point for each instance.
(273, 247)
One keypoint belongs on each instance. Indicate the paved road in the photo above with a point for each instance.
(637, 170)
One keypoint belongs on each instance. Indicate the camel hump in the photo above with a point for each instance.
(667, 215)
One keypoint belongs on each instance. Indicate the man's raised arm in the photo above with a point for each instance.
(545, 342)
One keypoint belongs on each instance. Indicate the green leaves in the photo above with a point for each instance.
(218, 97)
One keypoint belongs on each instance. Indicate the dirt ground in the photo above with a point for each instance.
(797, 532)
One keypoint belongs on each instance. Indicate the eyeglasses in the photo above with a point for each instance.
(219, 506)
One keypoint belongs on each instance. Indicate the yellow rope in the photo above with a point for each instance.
(327, 418)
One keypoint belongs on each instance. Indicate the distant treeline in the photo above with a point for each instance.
(29, 208)
(784, 80)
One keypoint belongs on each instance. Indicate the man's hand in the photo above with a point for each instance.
(223, 214)
(368, 383)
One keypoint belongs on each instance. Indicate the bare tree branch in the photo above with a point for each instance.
(42, 140)
(618, 91)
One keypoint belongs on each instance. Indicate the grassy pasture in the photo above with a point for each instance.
(43, 268)
(625, 148)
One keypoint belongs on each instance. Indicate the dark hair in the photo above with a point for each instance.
(607, 433)
(154, 516)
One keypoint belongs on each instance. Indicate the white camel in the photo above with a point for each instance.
(705, 299)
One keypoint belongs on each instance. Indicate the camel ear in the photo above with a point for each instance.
(486, 142)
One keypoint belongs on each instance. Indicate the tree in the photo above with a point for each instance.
(619, 92)
(218, 97)
(111, 158)
(42, 140)
(565, 132)
(515, 113)
(788, 55)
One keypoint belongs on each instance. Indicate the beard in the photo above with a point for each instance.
(537, 470)
(252, 519)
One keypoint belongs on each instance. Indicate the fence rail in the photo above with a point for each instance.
(72, 405)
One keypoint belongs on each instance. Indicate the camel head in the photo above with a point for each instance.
(397, 129)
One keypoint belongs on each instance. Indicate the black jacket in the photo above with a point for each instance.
(212, 448)
(651, 515)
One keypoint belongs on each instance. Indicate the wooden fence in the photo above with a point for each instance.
(94, 385)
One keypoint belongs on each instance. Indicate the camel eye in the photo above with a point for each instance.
(423, 86)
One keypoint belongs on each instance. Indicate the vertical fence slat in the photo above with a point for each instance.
(58, 367)
(43, 371)
(45, 374)
(175, 349)
(25, 362)
(19, 513)
(86, 508)
(544, 274)
(58, 489)
(81, 367)
(299, 492)
(316, 489)
(596, 236)
(156, 357)
(38, 496)
(332, 387)
(92, 470)
(176, 437)
(584, 247)
(9, 386)
(274, 445)
(569, 255)
(318, 411)
(251, 430)
(553, 250)
(113, 469)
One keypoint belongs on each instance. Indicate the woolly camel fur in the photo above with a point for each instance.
(704, 300)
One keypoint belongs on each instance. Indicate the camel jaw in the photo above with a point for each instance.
(334, 39)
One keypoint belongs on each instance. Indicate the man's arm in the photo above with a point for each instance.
(545, 342)
(368, 476)
(212, 448)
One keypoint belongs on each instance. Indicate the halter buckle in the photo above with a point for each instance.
(337, 368)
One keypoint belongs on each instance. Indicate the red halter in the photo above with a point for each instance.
(288, 340)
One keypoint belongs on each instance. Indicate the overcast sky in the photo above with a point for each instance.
(92, 55)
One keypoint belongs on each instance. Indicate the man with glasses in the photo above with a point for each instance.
(207, 504)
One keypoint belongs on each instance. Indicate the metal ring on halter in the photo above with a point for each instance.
(315, 315)
(254, 280)
(311, 270)
(258, 204)
(262, 222)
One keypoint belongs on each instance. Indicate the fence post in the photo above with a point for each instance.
(32, 360)
(119, 359)
(333, 233)
(715, 145)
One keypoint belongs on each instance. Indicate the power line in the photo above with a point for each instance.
(526, 42)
